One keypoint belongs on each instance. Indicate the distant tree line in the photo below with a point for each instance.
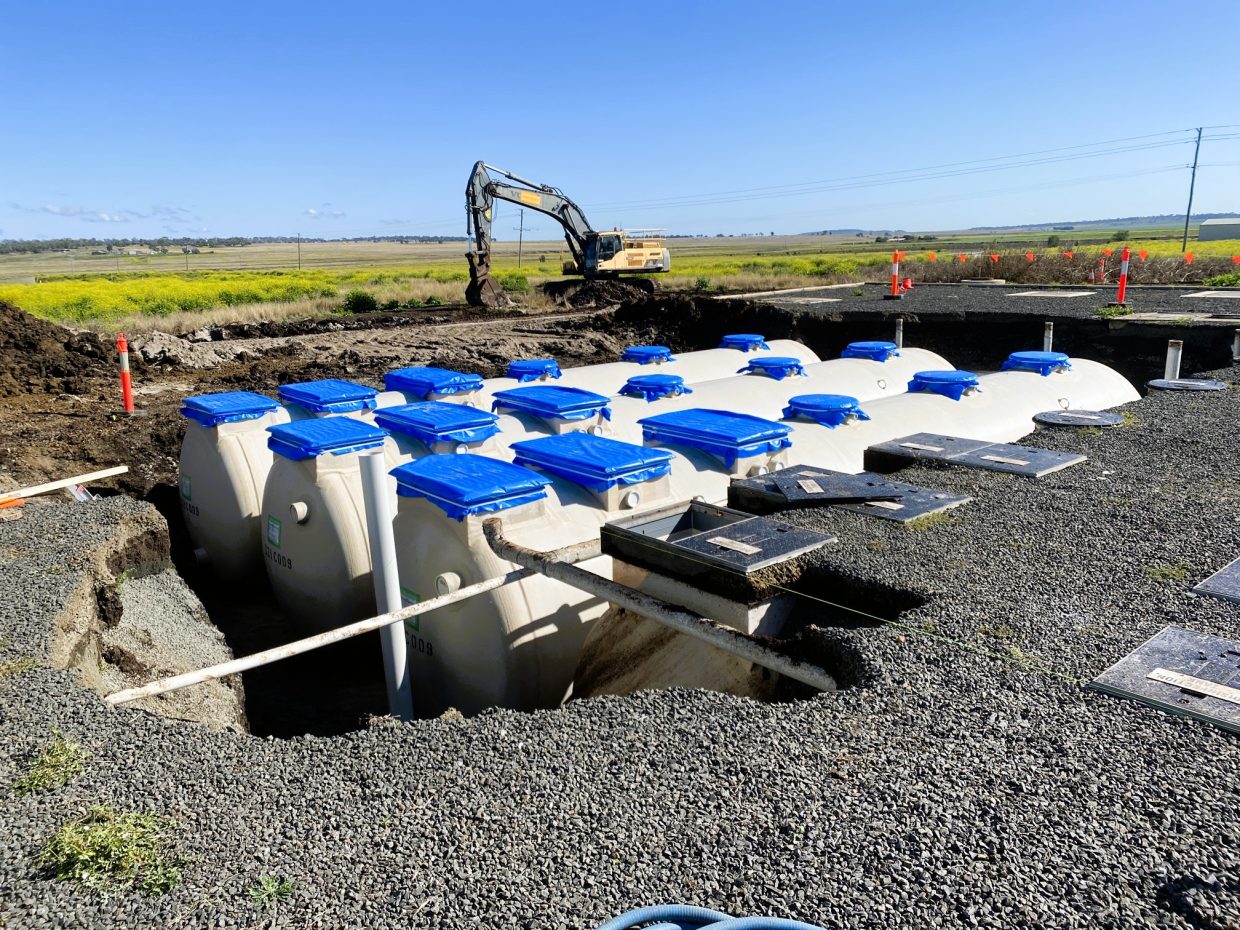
(9, 246)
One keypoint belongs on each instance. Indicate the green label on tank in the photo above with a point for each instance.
(273, 531)
(408, 599)
(187, 492)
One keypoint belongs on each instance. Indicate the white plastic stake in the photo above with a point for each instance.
(387, 582)
(1175, 351)
(900, 332)
(1048, 335)
(1235, 346)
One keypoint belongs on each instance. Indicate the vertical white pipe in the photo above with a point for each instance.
(387, 582)
(1175, 351)
(1235, 346)
(1048, 335)
(900, 333)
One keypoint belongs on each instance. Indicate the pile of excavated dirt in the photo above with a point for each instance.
(37, 357)
(598, 292)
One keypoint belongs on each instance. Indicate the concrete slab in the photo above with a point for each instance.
(1053, 293)
(1225, 294)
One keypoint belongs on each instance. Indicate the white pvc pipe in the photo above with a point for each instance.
(1235, 346)
(900, 333)
(387, 583)
(1175, 353)
(1048, 335)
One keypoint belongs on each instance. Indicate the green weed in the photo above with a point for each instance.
(55, 765)
(268, 891)
(11, 667)
(1165, 573)
(929, 521)
(1003, 631)
(1111, 311)
(105, 848)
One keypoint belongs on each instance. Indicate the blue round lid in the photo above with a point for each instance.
(1042, 362)
(774, 366)
(746, 342)
(875, 351)
(531, 369)
(953, 383)
(653, 387)
(830, 410)
(644, 355)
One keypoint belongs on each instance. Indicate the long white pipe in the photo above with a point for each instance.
(387, 583)
(310, 643)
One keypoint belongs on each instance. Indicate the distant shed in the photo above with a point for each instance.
(1219, 229)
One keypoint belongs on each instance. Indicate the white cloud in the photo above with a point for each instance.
(317, 214)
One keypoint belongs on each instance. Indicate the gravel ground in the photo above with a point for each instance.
(991, 299)
(970, 785)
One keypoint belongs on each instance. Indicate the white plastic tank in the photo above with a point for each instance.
(224, 463)
(420, 383)
(223, 467)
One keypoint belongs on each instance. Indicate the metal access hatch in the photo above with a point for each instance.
(1181, 672)
(969, 453)
(1224, 583)
(693, 539)
(866, 493)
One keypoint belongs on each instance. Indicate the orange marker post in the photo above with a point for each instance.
(1102, 270)
(895, 277)
(1188, 258)
(122, 351)
(1123, 277)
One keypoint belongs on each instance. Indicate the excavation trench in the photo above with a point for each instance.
(335, 689)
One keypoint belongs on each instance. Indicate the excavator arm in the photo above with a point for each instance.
(480, 195)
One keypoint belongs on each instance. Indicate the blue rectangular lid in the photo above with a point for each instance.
(462, 485)
(437, 421)
(720, 432)
(421, 381)
(550, 401)
(227, 407)
(307, 439)
(595, 462)
(329, 396)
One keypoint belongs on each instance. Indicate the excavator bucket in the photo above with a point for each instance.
(481, 290)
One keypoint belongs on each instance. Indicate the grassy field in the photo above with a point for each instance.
(143, 291)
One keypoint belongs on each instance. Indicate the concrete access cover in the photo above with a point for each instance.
(1187, 384)
(1224, 583)
(969, 453)
(1181, 672)
(1231, 294)
(1053, 293)
(866, 493)
(1077, 418)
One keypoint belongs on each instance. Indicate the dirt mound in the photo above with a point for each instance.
(37, 357)
(598, 292)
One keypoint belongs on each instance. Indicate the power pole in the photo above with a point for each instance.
(299, 251)
(1191, 184)
(520, 237)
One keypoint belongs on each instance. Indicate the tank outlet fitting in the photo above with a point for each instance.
(300, 511)
(447, 583)
(758, 471)
(631, 500)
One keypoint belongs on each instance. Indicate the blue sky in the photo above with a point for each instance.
(333, 119)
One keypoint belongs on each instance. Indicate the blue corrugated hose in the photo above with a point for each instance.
(684, 917)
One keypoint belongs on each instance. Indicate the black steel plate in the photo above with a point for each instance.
(1224, 583)
(973, 453)
(752, 544)
(1077, 418)
(827, 487)
(904, 502)
(1174, 652)
(1187, 384)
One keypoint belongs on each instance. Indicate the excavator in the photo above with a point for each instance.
(595, 254)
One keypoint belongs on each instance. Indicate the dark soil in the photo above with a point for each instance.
(37, 357)
(598, 292)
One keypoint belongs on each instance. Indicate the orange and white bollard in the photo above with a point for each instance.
(122, 351)
(1102, 271)
(895, 277)
(1123, 277)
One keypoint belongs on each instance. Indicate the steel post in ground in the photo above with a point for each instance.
(387, 582)
(1175, 352)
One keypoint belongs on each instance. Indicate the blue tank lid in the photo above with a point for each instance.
(644, 355)
(329, 396)
(307, 439)
(532, 369)
(951, 384)
(746, 342)
(463, 485)
(437, 421)
(652, 387)
(773, 366)
(730, 436)
(875, 351)
(553, 403)
(830, 410)
(1042, 362)
(227, 407)
(593, 462)
(420, 381)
